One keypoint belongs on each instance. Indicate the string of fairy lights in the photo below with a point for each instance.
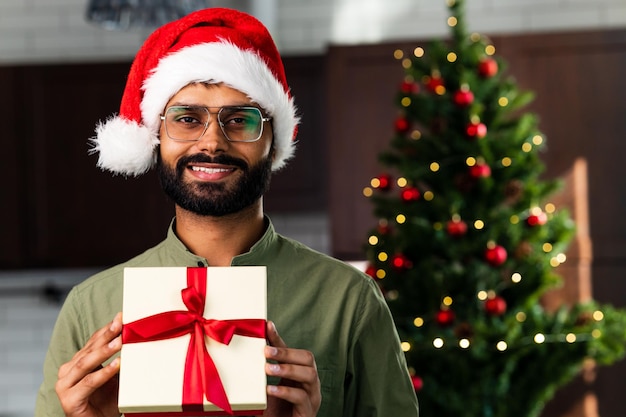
(534, 216)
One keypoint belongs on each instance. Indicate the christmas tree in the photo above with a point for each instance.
(467, 240)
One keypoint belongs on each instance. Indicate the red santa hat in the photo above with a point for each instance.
(215, 45)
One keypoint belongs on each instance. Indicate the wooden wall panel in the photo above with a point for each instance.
(362, 82)
(300, 186)
(11, 183)
(581, 91)
(78, 215)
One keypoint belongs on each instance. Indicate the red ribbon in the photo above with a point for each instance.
(201, 376)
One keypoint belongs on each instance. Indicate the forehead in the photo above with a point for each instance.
(210, 95)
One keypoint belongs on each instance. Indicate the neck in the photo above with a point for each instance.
(220, 239)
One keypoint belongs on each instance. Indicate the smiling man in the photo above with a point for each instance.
(208, 104)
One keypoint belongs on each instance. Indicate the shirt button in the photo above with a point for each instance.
(200, 263)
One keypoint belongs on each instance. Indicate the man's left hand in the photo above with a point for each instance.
(298, 394)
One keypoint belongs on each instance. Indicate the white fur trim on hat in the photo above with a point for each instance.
(124, 147)
(222, 62)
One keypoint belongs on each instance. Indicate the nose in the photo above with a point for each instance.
(213, 139)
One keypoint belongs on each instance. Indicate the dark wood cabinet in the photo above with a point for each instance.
(301, 185)
(60, 210)
(12, 203)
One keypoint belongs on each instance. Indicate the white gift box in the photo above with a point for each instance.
(152, 372)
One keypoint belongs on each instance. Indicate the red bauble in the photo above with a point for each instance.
(371, 270)
(402, 125)
(383, 229)
(495, 306)
(418, 383)
(456, 228)
(433, 83)
(400, 262)
(495, 255)
(487, 67)
(480, 170)
(476, 130)
(384, 182)
(409, 194)
(464, 97)
(445, 317)
(409, 87)
(537, 219)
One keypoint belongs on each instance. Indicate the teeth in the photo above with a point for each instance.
(209, 170)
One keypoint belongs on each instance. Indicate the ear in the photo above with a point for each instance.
(273, 147)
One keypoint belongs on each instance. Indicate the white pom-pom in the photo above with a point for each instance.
(124, 147)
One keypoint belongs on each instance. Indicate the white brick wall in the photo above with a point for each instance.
(27, 318)
(55, 30)
(26, 321)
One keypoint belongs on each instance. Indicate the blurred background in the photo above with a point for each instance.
(61, 73)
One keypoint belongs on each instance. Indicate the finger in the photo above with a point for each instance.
(105, 334)
(301, 400)
(297, 371)
(302, 375)
(290, 355)
(87, 370)
(101, 346)
(101, 337)
(273, 337)
(76, 397)
(278, 350)
(304, 403)
(295, 368)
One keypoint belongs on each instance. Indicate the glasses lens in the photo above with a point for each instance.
(241, 124)
(186, 122)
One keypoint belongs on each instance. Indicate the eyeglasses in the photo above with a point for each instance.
(189, 123)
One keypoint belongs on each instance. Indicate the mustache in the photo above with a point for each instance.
(221, 159)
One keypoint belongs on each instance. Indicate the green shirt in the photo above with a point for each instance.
(318, 303)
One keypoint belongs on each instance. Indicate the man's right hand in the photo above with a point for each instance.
(86, 388)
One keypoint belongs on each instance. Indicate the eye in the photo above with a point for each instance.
(186, 117)
(239, 118)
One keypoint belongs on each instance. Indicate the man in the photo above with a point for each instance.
(207, 101)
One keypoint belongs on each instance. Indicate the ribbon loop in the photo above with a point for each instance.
(193, 300)
(220, 330)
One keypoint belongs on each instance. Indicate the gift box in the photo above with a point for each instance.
(193, 341)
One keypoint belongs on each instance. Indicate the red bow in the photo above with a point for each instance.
(201, 377)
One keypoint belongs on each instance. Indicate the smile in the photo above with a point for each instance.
(210, 170)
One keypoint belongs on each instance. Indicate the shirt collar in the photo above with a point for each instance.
(257, 255)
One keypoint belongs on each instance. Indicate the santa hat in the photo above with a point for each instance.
(215, 45)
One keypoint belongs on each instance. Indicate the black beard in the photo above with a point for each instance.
(213, 199)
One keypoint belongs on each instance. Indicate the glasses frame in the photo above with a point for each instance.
(219, 122)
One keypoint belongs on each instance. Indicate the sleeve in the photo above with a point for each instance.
(378, 383)
(67, 338)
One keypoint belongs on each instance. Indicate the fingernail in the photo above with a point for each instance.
(115, 343)
(273, 327)
(274, 369)
(272, 389)
(271, 350)
(115, 363)
(114, 324)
